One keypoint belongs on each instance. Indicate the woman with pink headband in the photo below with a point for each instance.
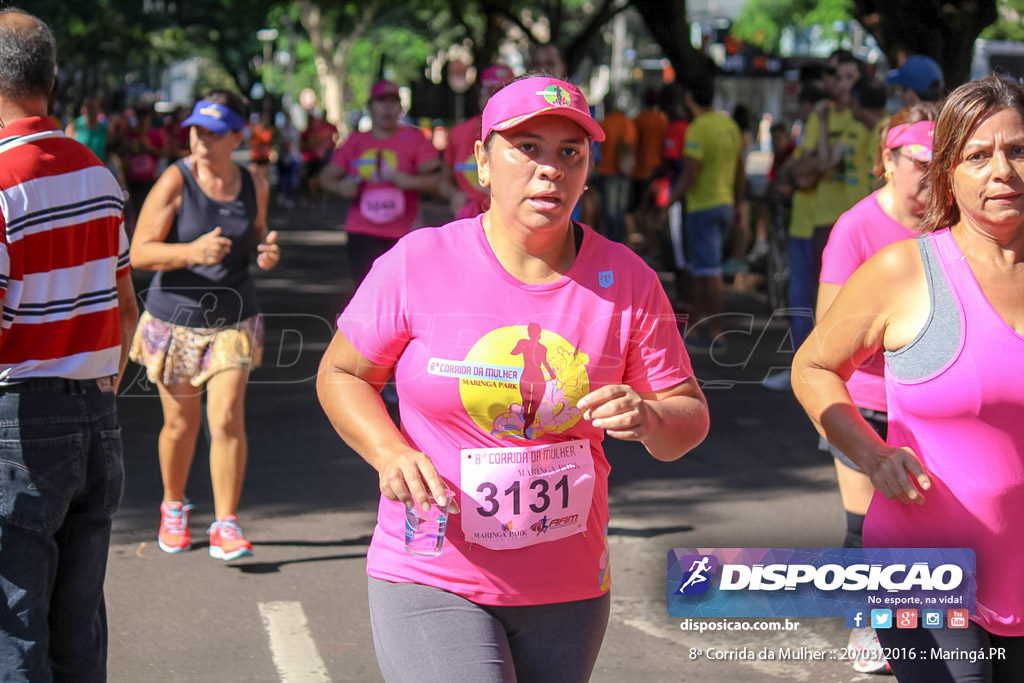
(519, 589)
(888, 215)
(946, 309)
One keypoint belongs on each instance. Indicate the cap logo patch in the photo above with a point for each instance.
(212, 112)
(556, 95)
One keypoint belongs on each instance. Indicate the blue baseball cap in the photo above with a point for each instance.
(214, 117)
(918, 73)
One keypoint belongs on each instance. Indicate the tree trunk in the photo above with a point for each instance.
(944, 30)
(666, 20)
(332, 53)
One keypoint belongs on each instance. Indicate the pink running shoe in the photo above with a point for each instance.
(174, 536)
(226, 539)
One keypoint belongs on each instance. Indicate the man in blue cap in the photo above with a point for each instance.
(921, 78)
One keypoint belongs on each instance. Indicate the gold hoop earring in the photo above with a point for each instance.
(887, 176)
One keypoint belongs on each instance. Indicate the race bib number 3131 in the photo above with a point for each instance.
(515, 497)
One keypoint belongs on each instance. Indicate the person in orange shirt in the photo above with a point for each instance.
(650, 124)
(261, 146)
(617, 155)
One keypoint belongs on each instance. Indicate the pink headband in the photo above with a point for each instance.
(916, 137)
(524, 99)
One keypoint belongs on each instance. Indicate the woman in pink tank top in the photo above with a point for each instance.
(888, 215)
(951, 324)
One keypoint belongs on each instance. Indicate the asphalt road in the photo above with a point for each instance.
(296, 611)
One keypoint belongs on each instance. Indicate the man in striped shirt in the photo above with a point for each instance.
(68, 315)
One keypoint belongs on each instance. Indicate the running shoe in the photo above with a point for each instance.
(866, 652)
(174, 536)
(226, 539)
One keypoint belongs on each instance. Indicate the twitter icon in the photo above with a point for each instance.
(881, 618)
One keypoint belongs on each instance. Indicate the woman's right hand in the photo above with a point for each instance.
(408, 477)
(209, 249)
(894, 472)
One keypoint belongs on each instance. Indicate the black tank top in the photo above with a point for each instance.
(209, 296)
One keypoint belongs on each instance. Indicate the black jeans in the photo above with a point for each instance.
(61, 478)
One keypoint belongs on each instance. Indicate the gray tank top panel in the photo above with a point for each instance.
(936, 345)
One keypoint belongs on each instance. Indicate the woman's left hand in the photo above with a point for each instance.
(619, 410)
(269, 252)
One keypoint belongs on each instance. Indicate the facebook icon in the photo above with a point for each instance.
(856, 618)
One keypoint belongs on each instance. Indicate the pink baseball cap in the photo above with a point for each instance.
(914, 138)
(383, 89)
(495, 75)
(524, 99)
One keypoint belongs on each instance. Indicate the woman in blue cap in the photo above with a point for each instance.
(202, 222)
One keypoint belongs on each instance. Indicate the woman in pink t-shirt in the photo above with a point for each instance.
(383, 172)
(511, 430)
(460, 185)
(946, 309)
(888, 215)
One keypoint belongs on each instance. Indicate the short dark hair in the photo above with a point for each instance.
(870, 92)
(229, 99)
(844, 57)
(812, 72)
(702, 90)
(28, 55)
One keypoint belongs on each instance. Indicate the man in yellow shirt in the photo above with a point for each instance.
(713, 183)
(832, 132)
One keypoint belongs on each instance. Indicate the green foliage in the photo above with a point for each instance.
(760, 22)
(1010, 24)
(213, 76)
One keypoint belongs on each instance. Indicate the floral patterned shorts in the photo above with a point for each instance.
(174, 354)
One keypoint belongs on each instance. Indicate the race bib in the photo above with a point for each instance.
(381, 204)
(516, 497)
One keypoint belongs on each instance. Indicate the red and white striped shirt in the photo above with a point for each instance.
(62, 248)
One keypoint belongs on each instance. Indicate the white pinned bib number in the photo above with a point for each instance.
(381, 204)
(517, 497)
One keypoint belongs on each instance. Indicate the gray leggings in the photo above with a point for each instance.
(424, 634)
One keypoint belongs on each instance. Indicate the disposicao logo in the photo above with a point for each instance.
(783, 582)
(695, 581)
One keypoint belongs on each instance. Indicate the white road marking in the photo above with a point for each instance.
(291, 644)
